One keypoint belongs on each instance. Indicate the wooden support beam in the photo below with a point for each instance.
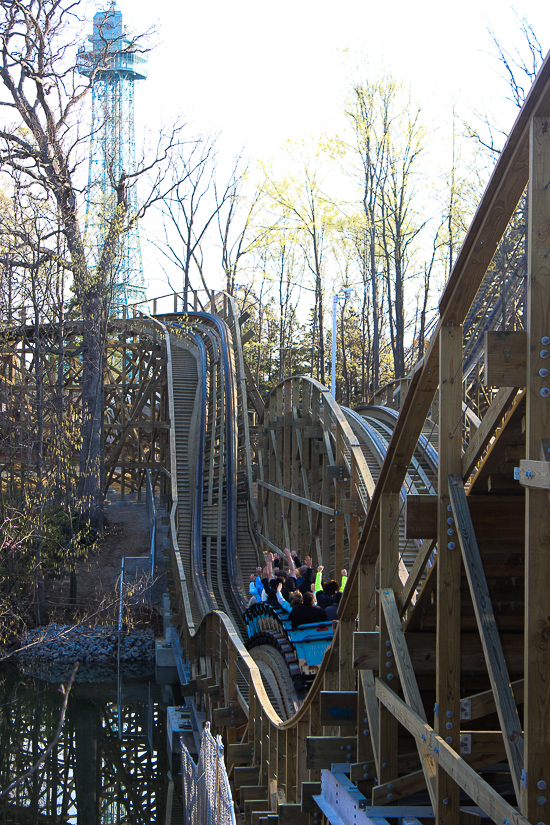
(240, 753)
(338, 707)
(448, 565)
(366, 650)
(492, 648)
(388, 564)
(505, 358)
(478, 749)
(366, 679)
(402, 786)
(504, 399)
(352, 506)
(292, 814)
(245, 776)
(232, 716)
(309, 790)
(406, 595)
(537, 532)
(337, 471)
(422, 650)
(253, 805)
(307, 502)
(253, 792)
(449, 761)
(409, 684)
(322, 751)
(495, 517)
(534, 474)
(408, 762)
(482, 704)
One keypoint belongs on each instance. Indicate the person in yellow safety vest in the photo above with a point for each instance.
(328, 593)
(319, 577)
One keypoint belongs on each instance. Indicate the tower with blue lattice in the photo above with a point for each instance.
(114, 63)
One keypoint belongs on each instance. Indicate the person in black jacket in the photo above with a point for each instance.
(307, 613)
(329, 595)
(305, 576)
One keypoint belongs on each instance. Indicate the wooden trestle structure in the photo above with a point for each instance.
(433, 701)
(441, 667)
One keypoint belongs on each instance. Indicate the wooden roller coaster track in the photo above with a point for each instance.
(432, 702)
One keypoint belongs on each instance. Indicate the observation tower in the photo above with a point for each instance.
(113, 61)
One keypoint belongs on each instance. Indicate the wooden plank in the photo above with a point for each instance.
(322, 751)
(534, 474)
(448, 759)
(498, 409)
(230, 716)
(407, 762)
(537, 533)
(422, 650)
(307, 502)
(246, 776)
(350, 505)
(337, 471)
(309, 790)
(240, 753)
(338, 707)
(482, 704)
(505, 358)
(253, 805)
(253, 792)
(292, 814)
(484, 748)
(252, 391)
(399, 787)
(494, 517)
(490, 639)
(409, 684)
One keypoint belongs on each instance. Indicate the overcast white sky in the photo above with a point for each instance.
(262, 73)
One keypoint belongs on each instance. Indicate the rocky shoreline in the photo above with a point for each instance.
(51, 652)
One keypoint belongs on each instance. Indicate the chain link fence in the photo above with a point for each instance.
(206, 793)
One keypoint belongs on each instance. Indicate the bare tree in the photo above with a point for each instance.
(44, 144)
(369, 114)
(301, 200)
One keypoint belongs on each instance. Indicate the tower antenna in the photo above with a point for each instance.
(113, 62)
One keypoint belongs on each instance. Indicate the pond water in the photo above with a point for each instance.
(108, 766)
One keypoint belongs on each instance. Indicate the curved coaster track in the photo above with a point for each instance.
(432, 699)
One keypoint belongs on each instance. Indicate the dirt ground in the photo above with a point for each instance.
(126, 534)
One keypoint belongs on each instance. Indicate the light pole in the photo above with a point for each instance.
(341, 296)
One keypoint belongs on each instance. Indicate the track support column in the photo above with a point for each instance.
(535, 804)
(447, 708)
(389, 564)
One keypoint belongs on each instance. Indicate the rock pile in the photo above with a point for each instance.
(49, 651)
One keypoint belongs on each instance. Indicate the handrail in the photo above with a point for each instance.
(231, 450)
(230, 310)
(182, 581)
(337, 420)
(205, 599)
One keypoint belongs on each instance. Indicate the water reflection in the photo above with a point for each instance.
(95, 773)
